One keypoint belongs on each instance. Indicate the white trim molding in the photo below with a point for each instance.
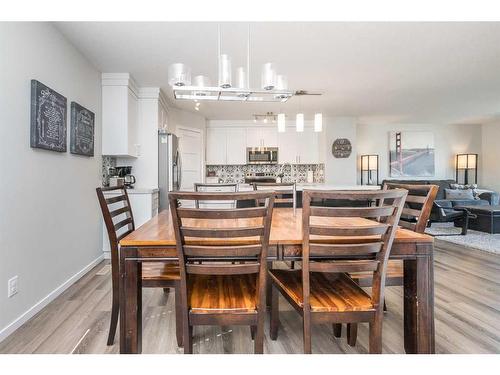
(120, 79)
(37, 307)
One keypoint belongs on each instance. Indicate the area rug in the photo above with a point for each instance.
(474, 239)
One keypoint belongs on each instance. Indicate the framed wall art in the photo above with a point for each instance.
(82, 130)
(48, 118)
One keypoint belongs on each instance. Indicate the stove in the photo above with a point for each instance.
(259, 177)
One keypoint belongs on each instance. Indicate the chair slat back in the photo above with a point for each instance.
(350, 239)
(285, 192)
(206, 187)
(418, 205)
(245, 232)
(118, 217)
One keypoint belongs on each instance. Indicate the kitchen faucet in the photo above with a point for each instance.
(281, 171)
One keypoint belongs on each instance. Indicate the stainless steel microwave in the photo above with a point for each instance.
(262, 155)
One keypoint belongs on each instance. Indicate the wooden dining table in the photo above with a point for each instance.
(155, 241)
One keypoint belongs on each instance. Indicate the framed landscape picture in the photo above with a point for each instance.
(82, 130)
(48, 118)
(411, 154)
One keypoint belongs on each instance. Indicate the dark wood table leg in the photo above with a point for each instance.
(130, 302)
(419, 302)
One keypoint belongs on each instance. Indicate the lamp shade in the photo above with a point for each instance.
(224, 71)
(467, 161)
(268, 76)
(369, 162)
(299, 122)
(318, 122)
(179, 75)
(241, 78)
(281, 123)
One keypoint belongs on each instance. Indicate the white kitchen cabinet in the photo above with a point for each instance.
(120, 115)
(262, 137)
(226, 146)
(287, 146)
(307, 147)
(298, 148)
(216, 146)
(144, 204)
(236, 139)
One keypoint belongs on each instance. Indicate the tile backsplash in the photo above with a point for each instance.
(107, 161)
(298, 173)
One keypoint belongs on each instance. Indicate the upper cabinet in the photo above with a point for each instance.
(216, 146)
(120, 112)
(298, 148)
(262, 137)
(236, 140)
(226, 146)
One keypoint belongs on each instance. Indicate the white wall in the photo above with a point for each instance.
(339, 171)
(449, 140)
(489, 158)
(178, 117)
(50, 220)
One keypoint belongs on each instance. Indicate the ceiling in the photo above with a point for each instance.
(378, 72)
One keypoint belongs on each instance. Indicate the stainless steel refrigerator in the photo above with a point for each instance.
(169, 166)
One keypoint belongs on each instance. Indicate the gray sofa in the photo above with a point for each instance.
(487, 198)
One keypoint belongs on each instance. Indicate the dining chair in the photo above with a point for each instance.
(322, 291)
(415, 216)
(119, 221)
(206, 187)
(286, 193)
(228, 286)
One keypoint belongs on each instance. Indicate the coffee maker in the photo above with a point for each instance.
(126, 173)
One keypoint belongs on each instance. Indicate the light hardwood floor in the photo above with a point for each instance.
(467, 311)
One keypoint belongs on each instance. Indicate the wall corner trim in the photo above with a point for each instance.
(120, 79)
(37, 307)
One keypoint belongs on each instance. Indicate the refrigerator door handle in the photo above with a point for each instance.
(179, 170)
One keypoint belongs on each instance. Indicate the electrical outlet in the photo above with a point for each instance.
(12, 287)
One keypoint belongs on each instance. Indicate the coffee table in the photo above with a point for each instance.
(487, 220)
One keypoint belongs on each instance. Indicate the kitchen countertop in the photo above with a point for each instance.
(319, 186)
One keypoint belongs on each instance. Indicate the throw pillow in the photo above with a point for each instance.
(472, 187)
(459, 194)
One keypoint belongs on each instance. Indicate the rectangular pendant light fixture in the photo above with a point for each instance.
(281, 123)
(318, 122)
(299, 122)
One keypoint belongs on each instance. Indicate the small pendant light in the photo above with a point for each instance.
(179, 75)
(299, 122)
(318, 122)
(225, 71)
(268, 76)
(281, 123)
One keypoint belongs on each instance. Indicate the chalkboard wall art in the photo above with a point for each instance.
(48, 118)
(341, 148)
(82, 130)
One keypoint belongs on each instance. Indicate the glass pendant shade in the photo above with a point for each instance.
(281, 123)
(241, 78)
(201, 81)
(281, 82)
(224, 71)
(179, 75)
(268, 76)
(318, 122)
(299, 122)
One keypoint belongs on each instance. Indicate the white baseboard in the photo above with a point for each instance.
(106, 254)
(27, 315)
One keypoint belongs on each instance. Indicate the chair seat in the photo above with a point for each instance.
(393, 277)
(222, 293)
(333, 292)
(160, 271)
